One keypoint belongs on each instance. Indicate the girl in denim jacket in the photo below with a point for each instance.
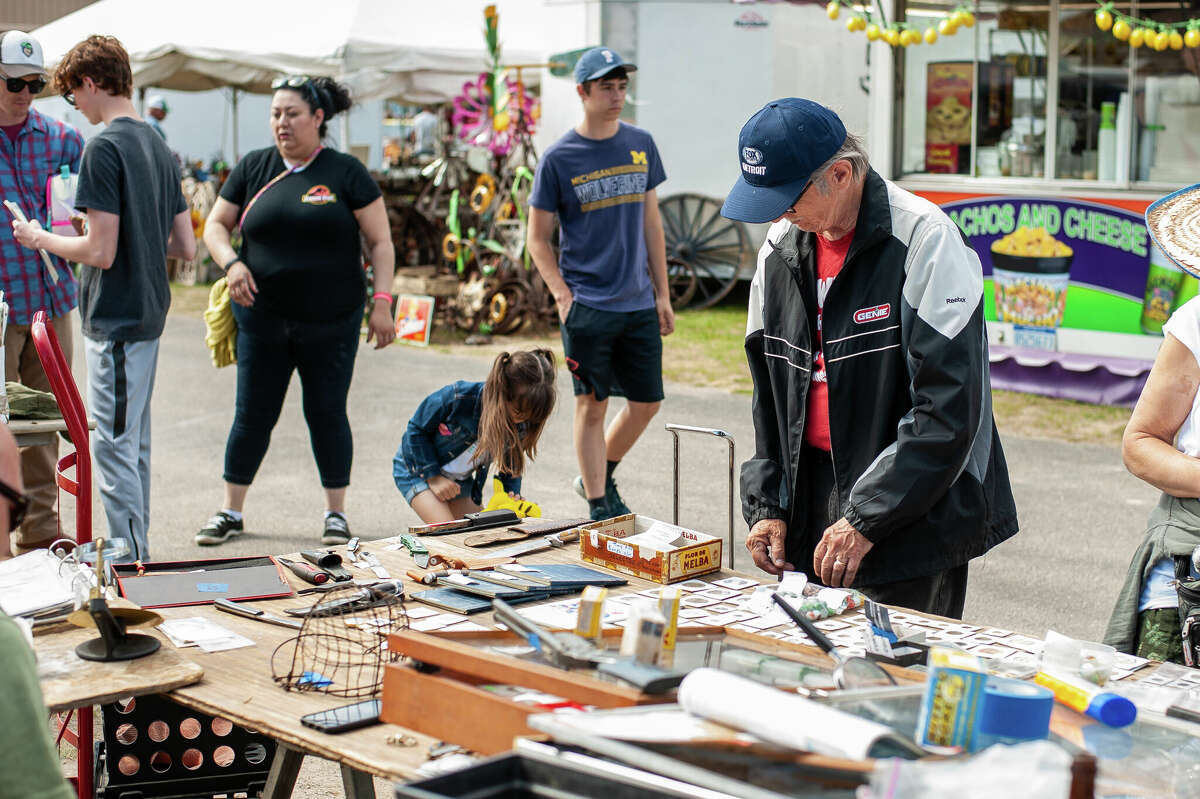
(458, 431)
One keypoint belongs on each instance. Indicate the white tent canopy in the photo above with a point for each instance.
(414, 50)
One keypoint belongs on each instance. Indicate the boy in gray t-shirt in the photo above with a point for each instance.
(137, 218)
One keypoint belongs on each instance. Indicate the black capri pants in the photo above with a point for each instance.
(269, 349)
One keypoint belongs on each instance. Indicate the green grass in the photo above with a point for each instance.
(706, 350)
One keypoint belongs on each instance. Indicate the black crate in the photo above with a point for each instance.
(156, 749)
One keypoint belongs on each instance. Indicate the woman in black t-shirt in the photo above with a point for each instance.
(297, 284)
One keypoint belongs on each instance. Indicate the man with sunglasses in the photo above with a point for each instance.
(877, 463)
(33, 148)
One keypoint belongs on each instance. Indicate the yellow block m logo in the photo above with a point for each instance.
(639, 156)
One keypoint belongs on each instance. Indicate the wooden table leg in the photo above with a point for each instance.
(358, 784)
(285, 768)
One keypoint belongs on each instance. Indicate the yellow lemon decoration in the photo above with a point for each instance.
(1161, 40)
(892, 36)
(948, 27)
(1192, 38)
(833, 9)
(1104, 19)
(966, 19)
(1175, 39)
(1121, 30)
(930, 36)
(1136, 37)
(874, 34)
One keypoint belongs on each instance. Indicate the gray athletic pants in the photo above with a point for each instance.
(120, 382)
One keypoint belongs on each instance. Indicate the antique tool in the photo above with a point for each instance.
(565, 650)
(366, 597)
(428, 578)
(229, 606)
(114, 642)
(420, 554)
(331, 562)
(372, 563)
(675, 430)
(851, 671)
(482, 520)
(307, 573)
(449, 561)
(538, 544)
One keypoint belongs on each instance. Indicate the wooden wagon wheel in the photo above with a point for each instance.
(681, 282)
(709, 243)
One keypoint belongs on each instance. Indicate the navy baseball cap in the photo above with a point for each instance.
(778, 151)
(598, 62)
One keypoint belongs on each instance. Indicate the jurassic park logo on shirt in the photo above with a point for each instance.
(318, 195)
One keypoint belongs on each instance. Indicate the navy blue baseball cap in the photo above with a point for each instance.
(778, 151)
(598, 62)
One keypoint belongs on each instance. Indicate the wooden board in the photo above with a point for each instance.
(68, 681)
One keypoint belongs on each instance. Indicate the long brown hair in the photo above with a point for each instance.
(521, 384)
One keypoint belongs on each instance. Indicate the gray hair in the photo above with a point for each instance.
(852, 150)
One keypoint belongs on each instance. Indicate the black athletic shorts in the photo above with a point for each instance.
(614, 353)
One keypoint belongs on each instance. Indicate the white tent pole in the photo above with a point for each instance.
(234, 101)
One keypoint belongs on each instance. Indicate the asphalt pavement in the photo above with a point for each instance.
(1081, 513)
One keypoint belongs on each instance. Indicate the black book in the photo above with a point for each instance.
(562, 575)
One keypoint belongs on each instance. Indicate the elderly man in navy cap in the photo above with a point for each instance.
(610, 277)
(877, 459)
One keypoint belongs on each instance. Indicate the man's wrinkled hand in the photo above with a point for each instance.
(767, 542)
(839, 554)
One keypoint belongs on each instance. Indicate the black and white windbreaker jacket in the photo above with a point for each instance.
(917, 459)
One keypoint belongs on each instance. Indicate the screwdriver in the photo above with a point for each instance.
(307, 573)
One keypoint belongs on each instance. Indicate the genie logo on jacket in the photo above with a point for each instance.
(878, 312)
(318, 195)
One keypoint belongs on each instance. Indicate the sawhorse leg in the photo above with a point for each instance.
(358, 784)
(285, 768)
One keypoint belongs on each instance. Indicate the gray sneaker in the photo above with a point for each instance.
(337, 530)
(616, 505)
(218, 530)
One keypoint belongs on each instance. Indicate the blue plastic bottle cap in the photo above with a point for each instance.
(1112, 709)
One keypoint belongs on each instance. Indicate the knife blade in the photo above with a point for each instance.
(229, 606)
(419, 552)
(537, 545)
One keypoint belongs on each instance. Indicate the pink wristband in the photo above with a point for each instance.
(381, 295)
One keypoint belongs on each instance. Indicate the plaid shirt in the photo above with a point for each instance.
(43, 145)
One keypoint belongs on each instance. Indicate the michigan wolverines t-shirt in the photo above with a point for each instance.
(597, 187)
(300, 238)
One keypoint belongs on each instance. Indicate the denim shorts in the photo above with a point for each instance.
(410, 486)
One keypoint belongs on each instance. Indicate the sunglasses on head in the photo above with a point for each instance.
(18, 85)
(293, 82)
(18, 504)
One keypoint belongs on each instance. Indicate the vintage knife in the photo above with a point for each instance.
(420, 554)
(537, 544)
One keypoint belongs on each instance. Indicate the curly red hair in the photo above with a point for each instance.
(101, 58)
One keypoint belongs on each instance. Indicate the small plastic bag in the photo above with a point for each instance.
(60, 202)
(1034, 770)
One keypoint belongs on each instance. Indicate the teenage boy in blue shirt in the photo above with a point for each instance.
(610, 278)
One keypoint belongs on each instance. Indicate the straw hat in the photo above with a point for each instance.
(1174, 223)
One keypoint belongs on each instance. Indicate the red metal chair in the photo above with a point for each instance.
(66, 393)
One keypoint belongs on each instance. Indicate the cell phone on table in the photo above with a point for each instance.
(344, 718)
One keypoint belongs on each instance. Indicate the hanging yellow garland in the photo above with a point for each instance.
(900, 34)
(1149, 33)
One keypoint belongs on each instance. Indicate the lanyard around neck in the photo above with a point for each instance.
(276, 179)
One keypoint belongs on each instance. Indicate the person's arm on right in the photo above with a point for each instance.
(541, 227)
(182, 241)
(221, 220)
(1148, 446)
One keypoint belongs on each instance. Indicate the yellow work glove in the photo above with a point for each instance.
(502, 501)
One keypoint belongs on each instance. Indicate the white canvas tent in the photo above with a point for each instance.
(414, 50)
